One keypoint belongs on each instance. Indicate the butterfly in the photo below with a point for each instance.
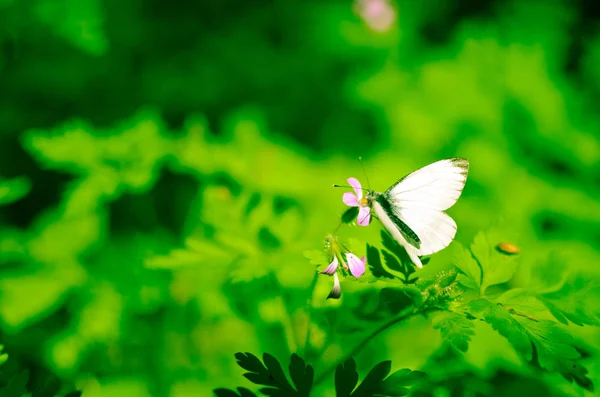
(412, 209)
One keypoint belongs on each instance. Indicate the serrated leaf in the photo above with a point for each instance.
(464, 261)
(519, 301)
(391, 261)
(456, 328)
(397, 383)
(554, 347)
(276, 372)
(346, 378)
(466, 281)
(316, 257)
(241, 392)
(569, 297)
(501, 320)
(400, 260)
(376, 383)
(302, 375)
(374, 263)
(373, 382)
(271, 374)
(496, 268)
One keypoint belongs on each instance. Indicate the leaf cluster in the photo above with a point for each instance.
(16, 380)
(521, 315)
(378, 382)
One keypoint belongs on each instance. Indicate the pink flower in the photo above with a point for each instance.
(354, 264)
(378, 14)
(357, 200)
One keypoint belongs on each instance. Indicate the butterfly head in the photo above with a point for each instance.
(368, 198)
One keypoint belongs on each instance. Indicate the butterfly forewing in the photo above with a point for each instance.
(419, 199)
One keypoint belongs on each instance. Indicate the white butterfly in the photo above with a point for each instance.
(412, 209)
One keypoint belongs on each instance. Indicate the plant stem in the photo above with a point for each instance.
(365, 341)
(309, 311)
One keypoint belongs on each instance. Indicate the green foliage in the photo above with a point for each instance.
(376, 382)
(79, 22)
(456, 328)
(271, 374)
(553, 347)
(16, 380)
(395, 258)
(241, 392)
(570, 297)
(12, 190)
(138, 252)
(483, 265)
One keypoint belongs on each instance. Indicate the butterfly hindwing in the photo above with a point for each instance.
(419, 198)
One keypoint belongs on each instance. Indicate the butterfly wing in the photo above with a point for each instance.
(420, 198)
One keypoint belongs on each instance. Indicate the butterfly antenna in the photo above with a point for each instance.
(350, 187)
(365, 172)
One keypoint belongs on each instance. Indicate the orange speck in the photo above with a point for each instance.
(508, 248)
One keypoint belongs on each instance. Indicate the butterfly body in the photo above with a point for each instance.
(412, 209)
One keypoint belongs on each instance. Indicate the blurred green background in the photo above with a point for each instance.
(164, 165)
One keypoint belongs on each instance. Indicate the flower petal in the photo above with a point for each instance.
(350, 199)
(336, 291)
(332, 267)
(356, 265)
(356, 185)
(364, 216)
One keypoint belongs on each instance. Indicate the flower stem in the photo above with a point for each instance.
(365, 341)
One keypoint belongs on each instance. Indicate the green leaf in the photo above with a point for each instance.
(464, 261)
(396, 384)
(316, 257)
(496, 268)
(12, 190)
(521, 302)
(554, 347)
(456, 328)
(350, 215)
(466, 281)
(399, 261)
(271, 374)
(391, 261)
(241, 392)
(376, 383)
(302, 375)
(346, 378)
(571, 298)
(374, 263)
(373, 382)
